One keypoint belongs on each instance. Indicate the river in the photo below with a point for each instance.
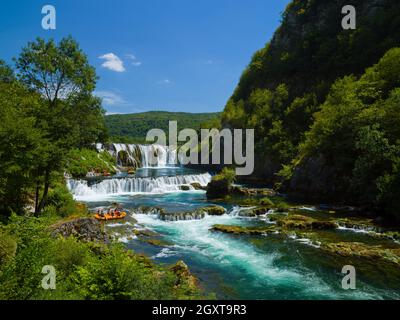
(233, 267)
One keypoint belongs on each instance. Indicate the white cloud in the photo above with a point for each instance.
(112, 62)
(165, 81)
(110, 98)
(134, 61)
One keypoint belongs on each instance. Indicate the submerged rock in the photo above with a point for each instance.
(296, 221)
(243, 230)
(149, 210)
(198, 214)
(145, 233)
(179, 216)
(156, 242)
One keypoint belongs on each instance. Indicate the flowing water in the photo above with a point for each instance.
(232, 267)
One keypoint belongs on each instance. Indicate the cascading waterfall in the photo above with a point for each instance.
(141, 156)
(158, 156)
(81, 188)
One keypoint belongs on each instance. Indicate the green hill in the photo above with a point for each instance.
(133, 128)
(326, 126)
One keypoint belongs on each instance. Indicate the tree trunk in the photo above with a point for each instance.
(45, 191)
(37, 199)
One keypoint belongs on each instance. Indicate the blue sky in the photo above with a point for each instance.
(173, 55)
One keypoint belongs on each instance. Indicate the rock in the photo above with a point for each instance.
(213, 210)
(178, 216)
(237, 230)
(156, 242)
(85, 229)
(361, 250)
(218, 189)
(358, 224)
(198, 186)
(184, 188)
(184, 276)
(253, 212)
(145, 233)
(296, 221)
(148, 210)
(240, 191)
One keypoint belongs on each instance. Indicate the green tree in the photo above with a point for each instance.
(68, 114)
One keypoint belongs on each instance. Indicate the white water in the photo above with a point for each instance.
(157, 156)
(242, 260)
(143, 156)
(81, 190)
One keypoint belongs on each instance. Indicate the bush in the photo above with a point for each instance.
(82, 161)
(60, 202)
(84, 270)
(8, 247)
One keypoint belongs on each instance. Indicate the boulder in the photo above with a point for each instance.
(198, 186)
(214, 210)
(184, 276)
(218, 189)
(85, 229)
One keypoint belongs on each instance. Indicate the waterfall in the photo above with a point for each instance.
(141, 156)
(240, 211)
(81, 188)
(158, 156)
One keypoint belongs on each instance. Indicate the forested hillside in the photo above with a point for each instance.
(134, 127)
(288, 82)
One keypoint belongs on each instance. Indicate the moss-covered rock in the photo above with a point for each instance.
(184, 276)
(296, 221)
(243, 230)
(182, 216)
(145, 233)
(364, 251)
(198, 186)
(213, 210)
(156, 242)
(85, 229)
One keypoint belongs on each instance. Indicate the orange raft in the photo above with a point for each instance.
(107, 216)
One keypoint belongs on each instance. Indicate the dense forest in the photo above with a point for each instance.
(134, 127)
(324, 103)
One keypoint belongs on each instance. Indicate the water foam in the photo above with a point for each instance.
(81, 190)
